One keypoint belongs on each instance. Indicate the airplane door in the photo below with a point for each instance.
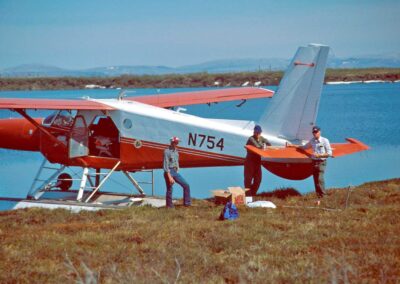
(79, 139)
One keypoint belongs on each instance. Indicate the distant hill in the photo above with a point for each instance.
(216, 66)
(32, 70)
(130, 70)
(387, 61)
(236, 65)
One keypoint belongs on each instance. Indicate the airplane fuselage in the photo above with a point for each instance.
(142, 133)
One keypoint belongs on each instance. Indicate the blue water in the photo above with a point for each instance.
(367, 112)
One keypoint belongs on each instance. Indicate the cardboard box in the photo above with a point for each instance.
(221, 196)
(236, 195)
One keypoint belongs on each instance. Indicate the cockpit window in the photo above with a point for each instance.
(62, 118)
(49, 119)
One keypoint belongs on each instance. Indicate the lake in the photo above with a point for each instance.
(367, 112)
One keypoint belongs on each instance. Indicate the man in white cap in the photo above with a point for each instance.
(171, 175)
(321, 151)
(252, 164)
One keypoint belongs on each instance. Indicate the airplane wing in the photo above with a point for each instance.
(203, 97)
(166, 100)
(295, 152)
(12, 103)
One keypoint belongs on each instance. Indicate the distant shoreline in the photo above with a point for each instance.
(261, 78)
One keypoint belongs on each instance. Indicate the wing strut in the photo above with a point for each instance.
(40, 127)
(241, 103)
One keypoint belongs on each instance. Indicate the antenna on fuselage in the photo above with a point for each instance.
(121, 95)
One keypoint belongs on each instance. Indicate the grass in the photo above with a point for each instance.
(267, 78)
(358, 240)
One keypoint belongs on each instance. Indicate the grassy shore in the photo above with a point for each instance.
(189, 80)
(353, 236)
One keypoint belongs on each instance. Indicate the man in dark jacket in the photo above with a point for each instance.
(252, 164)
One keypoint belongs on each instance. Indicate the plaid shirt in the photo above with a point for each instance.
(171, 159)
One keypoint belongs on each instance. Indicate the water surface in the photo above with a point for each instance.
(367, 112)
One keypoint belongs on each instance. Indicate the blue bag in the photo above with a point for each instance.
(230, 212)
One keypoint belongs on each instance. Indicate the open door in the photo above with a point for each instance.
(79, 139)
(104, 138)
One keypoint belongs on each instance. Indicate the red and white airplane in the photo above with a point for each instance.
(130, 134)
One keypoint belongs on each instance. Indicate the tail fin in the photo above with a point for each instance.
(293, 109)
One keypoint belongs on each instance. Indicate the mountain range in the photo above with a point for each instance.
(216, 66)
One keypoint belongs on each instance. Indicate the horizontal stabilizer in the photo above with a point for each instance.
(296, 152)
(341, 149)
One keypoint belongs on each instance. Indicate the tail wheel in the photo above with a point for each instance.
(64, 181)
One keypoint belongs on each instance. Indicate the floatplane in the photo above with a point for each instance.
(129, 134)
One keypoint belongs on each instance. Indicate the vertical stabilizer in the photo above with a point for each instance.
(293, 109)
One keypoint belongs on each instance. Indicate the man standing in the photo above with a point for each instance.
(252, 164)
(321, 150)
(171, 175)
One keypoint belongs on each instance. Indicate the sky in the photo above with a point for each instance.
(79, 34)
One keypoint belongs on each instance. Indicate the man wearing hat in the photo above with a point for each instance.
(252, 164)
(171, 175)
(321, 151)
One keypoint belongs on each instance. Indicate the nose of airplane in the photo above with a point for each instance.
(18, 134)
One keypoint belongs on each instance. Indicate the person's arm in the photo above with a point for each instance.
(166, 162)
(265, 141)
(306, 146)
(328, 148)
(177, 160)
(253, 142)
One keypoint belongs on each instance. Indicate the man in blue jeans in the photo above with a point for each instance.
(171, 175)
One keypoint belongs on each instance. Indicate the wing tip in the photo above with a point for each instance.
(360, 144)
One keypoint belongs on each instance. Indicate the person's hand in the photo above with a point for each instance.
(171, 180)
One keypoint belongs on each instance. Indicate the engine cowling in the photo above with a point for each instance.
(19, 134)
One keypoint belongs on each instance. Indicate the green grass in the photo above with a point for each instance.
(267, 78)
(297, 242)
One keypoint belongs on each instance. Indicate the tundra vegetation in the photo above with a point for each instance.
(352, 236)
(266, 78)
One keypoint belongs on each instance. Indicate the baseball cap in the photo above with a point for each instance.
(175, 139)
(257, 129)
(315, 129)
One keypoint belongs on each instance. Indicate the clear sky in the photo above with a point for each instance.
(80, 34)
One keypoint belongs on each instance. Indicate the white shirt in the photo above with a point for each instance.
(319, 146)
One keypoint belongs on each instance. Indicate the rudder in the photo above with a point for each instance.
(293, 109)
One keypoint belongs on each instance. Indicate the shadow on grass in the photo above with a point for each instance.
(281, 193)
